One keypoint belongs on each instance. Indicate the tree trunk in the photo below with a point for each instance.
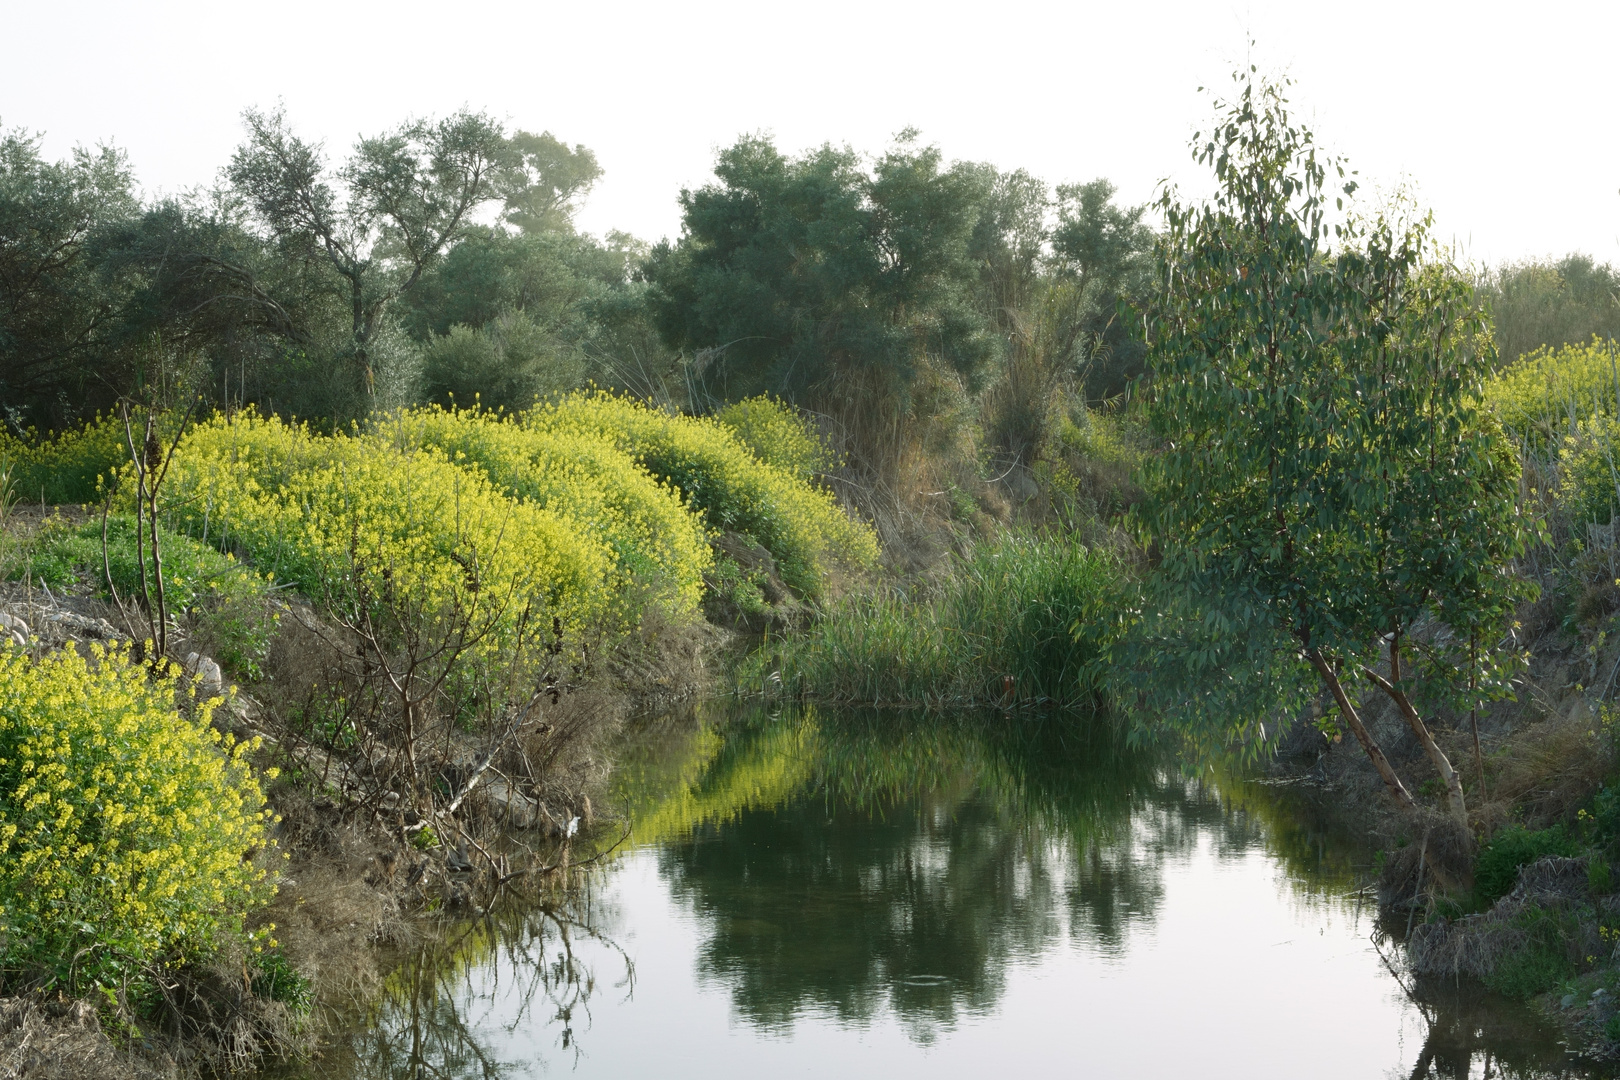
(1348, 710)
(1437, 756)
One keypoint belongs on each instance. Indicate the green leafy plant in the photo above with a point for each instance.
(1020, 619)
(1325, 477)
(1496, 867)
(278, 980)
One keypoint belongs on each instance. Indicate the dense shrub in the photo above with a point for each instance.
(779, 436)
(1589, 471)
(1496, 868)
(355, 519)
(125, 827)
(64, 467)
(1546, 955)
(802, 527)
(509, 363)
(1550, 392)
(584, 478)
(1020, 619)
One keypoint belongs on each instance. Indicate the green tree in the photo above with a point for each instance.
(55, 313)
(1550, 303)
(381, 220)
(1327, 486)
(790, 271)
(1100, 256)
(544, 180)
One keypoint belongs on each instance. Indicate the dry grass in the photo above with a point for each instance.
(1543, 773)
(60, 1040)
(1477, 945)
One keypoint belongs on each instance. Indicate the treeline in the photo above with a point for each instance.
(439, 261)
(946, 322)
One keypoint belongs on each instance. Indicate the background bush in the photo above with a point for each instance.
(1496, 868)
(64, 467)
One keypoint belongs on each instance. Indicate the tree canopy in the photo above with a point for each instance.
(789, 270)
(1329, 496)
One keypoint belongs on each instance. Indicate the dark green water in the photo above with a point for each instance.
(847, 896)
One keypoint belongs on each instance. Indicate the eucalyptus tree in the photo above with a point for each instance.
(380, 220)
(1328, 494)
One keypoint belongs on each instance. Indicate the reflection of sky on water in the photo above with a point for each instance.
(1151, 929)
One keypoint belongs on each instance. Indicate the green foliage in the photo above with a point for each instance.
(1496, 867)
(65, 467)
(277, 980)
(125, 827)
(1544, 960)
(54, 327)
(1545, 304)
(788, 268)
(509, 364)
(1020, 619)
(1325, 476)
(1599, 875)
(378, 223)
(742, 589)
(231, 601)
(779, 436)
(542, 180)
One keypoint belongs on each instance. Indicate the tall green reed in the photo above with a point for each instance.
(1020, 620)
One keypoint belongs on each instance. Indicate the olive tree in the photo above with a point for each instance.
(382, 219)
(1328, 495)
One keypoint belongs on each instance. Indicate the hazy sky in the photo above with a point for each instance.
(1500, 116)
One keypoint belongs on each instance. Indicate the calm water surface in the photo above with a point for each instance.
(823, 895)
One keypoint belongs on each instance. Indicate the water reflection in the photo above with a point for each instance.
(455, 1003)
(863, 892)
(912, 866)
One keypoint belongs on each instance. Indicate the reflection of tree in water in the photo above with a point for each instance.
(923, 858)
(1466, 1025)
(435, 1020)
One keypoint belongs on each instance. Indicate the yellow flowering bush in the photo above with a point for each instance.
(64, 467)
(125, 827)
(583, 478)
(1549, 392)
(1589, 470)
(803, 527)
(779, 436)
(357, 518)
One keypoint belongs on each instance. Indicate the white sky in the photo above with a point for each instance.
(1500, 116)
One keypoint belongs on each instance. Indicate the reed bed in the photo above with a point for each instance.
(1020, 621)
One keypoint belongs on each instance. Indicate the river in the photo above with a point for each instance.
(832, 895)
